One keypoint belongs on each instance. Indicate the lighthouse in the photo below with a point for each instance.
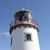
(24, 31)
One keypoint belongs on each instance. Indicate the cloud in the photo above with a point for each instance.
(5, 33)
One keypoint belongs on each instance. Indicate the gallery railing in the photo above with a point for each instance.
(17, 22)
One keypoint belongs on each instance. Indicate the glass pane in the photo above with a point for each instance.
(23, 15)
(28, 36)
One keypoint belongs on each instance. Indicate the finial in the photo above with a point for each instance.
(22, 8)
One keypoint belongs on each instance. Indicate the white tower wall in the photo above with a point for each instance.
(19, 41)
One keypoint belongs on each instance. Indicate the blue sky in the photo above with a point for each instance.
(41, 10)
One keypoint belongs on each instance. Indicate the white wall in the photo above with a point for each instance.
(18, 40)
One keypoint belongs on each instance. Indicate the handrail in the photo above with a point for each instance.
(16, 22)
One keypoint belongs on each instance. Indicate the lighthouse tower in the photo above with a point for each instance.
(24, 31)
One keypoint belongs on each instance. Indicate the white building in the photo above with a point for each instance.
(24, 31)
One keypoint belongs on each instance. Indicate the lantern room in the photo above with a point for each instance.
(23, 18)
(24, 15)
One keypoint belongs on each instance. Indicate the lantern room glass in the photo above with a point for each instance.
(23, 15)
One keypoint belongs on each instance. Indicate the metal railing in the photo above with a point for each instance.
(17, 22)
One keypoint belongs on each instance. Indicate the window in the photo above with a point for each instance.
(23, 15)
(28, 37)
